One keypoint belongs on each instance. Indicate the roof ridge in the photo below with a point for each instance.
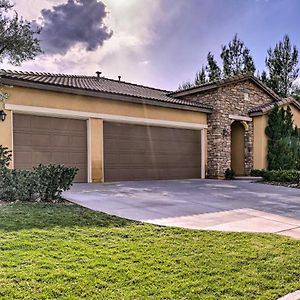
(219, 81)
(11, 72)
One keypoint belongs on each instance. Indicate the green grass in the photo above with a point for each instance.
(63, 251)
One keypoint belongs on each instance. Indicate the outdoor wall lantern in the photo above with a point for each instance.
(2, 115)
(3, 98)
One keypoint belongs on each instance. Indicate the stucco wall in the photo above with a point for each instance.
(34, 97)
(5, 131)
(260, 146)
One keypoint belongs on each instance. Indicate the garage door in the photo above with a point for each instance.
(48, 140)
(137, 152)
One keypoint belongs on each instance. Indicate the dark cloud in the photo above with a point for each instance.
(77, 21)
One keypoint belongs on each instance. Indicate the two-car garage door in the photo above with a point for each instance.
(131, 152)
(135, 152)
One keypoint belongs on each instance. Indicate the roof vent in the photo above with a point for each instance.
(98, 74)
(119, 77)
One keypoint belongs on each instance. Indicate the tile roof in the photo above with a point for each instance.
(265, 108)
(101, 85)
(225, 81)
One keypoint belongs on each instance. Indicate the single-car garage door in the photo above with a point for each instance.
(137, 152)
(48, 140)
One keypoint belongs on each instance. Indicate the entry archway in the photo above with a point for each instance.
(238, 148)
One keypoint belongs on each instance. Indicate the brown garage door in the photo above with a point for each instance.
(48, 140)
(136, 152)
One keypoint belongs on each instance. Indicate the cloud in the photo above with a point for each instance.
(77, 21)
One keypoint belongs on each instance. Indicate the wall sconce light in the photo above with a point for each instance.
(2, 115)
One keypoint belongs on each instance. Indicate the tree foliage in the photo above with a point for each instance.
(281, 63)
(236, 58)
(18, 41)
(283, 140)
(212, 68)
(200, 77)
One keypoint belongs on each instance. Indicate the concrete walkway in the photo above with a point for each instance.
(199, 204)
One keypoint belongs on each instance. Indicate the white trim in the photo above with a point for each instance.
(240, 118)
(12, 140)
(106, 117)
(102, 152)
(89, 151)
(202, 133)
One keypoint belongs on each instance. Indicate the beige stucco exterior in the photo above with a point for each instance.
(96, 155)
(31, 97)
(260, 144)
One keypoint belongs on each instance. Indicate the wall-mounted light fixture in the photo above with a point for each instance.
(3, 98)
(2, 115)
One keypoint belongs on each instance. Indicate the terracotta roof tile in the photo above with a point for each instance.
(265, 108)
(101, 85)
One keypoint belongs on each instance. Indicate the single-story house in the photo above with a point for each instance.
(113, 130)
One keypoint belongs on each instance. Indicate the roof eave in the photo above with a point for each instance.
(105, 95)
(215, 85)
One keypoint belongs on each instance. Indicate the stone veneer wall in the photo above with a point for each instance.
(232, 99)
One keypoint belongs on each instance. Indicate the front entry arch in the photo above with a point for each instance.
(238, 148)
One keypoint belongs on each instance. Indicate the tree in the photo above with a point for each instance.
(283, 140)
(296, 92)
(185, 85)
(212, 68)
(200, 77)
(236, 58)
(18, 40)
(281, 63)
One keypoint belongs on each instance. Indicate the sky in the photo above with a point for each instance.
(158, 43)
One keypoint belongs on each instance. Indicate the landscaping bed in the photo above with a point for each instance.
(51, 251)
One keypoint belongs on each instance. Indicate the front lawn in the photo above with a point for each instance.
(58, 251)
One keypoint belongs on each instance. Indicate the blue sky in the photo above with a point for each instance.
(162, 43)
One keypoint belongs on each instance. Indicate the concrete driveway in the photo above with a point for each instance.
(199, 204)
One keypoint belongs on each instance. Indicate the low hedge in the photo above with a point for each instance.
(284, 176)
(45, 182)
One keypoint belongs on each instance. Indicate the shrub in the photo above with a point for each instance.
(52, 180)
(17, 184)
(284, 176)
(5, 156)
(229, 174)
(44, 183)
(258, 172)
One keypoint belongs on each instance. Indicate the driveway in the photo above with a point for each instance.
(199, 204)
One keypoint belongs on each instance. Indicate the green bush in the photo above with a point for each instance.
(284, 176)
(229, 174)
(17, 184)
(43, 182)
(258, 172)
(5, 157)
(53, 180)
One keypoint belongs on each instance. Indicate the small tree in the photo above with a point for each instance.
(17, 38)
(283, 140)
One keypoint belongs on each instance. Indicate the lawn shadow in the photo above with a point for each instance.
(22, 216)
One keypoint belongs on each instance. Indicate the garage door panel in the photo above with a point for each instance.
(48, 140)
(138, 159)
(137, 152)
